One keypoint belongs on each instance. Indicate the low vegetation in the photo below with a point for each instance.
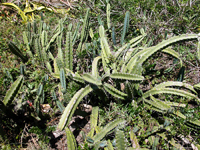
(100, 75)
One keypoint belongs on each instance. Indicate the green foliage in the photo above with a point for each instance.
(95, 140)
(32, 8)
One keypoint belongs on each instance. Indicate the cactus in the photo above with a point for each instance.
(59, 63)
(56, 68)
(108, 15)
(38, 49)
(106, 53)
(126, 76)
(181, 74)
(161, 106)
(120, 140)
(34, 27)
(132, 42)
(113, 36)
(63, 81)
(91, 33)
(69, 52)
(52, 39)
(143, 55)
(26, 42)
(14, 89)
(91, 79)
(71, 142)
(71, 107)
(44, 38)
(173, 53)
(95, 62)
(22, 69)
(14, 49)
(75, 34)
(58, 103)
(48, 65)
(29, 30)
(84, 31)
(113, 91)
(39, 99)
(134, 140)
(110, 147)
(70, 27)
(126, 26)
(100, 21)
(40, 89)
(60, 52)
(110, 126)
(160, 88)
(93, 121)
(40, 27)
(44, 26)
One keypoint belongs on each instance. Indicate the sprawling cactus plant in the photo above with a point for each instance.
(126, 66)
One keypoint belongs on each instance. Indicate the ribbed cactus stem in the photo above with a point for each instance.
(15, 50)
(75, 34)
(126, 25)
(63, 81)
(113, 36)
(34, 27)
(44, 38)
(37, 48)
(69, 52)
(108, 15)
(84, 31)
(60, 52)
(40, 28)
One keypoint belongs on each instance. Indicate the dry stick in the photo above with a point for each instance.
(23, 134)
(34, 142)
(67, 3)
